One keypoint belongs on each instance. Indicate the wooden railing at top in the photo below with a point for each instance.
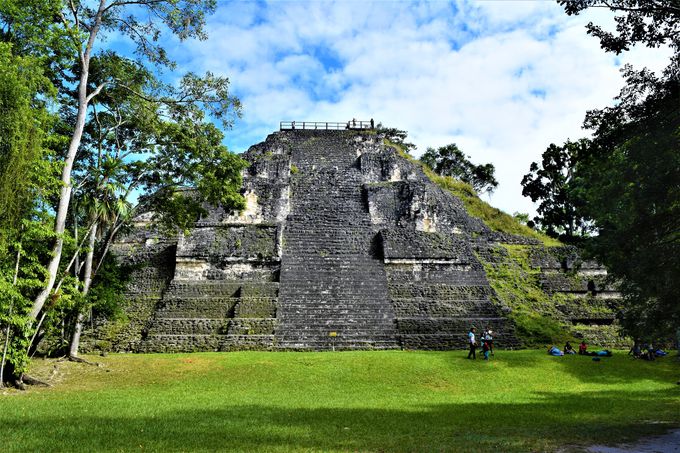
(328, 125)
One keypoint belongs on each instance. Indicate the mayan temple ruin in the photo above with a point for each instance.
(345, 243)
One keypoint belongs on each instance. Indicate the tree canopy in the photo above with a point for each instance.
(112, 127)
(449, 160)
(552, 184)
(624, 181)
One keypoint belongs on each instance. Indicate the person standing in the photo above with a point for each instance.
(488, 338)
(473, 344)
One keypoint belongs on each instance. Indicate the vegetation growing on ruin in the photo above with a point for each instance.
(350, 401)
(534, 312)
(494, 218)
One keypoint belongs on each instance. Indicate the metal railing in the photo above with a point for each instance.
(328, 125)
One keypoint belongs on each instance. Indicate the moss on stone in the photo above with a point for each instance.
(534, 312)
(492, 217)
(542, 317)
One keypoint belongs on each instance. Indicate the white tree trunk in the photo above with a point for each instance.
(64, 199)
(87, 282)
(65, 195)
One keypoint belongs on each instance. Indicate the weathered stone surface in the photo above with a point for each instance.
(343, 244)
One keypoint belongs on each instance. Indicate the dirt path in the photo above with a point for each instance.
(668, 443)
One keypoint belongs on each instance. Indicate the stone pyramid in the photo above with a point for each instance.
(344, 244)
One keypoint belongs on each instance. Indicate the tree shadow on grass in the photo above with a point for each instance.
(550, 421)
(621, 369)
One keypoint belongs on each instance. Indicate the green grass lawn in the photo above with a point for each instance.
(344, 401)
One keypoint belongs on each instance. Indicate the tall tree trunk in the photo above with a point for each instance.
(65, 195)
(7, 329)
(87, 282)
(64, 199)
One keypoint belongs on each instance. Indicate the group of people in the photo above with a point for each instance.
(645, 352)
(353, 124)
(486, 340)
(582, 350)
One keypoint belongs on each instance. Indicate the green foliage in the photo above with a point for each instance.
(13, 316)
(23, 123)
(627, 176)
(141, 134)
(106, 297)
(451, 161)
(494, 218)
(517, 284)
(652, 22)
(350, 401)
(396, 137)
(560, 211)
(631, 181)
(538, 330)
(28, 179)
(521, 217)
(154, 137)
(294, 170)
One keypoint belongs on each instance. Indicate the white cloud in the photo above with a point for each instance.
(503, 79)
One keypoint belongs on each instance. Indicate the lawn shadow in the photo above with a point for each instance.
(551, 420)
(620, 369)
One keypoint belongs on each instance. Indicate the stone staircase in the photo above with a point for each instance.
(435, 315)
(333, 285)
(213, 315)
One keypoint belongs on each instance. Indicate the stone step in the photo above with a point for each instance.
(309, 345)
(196, 343)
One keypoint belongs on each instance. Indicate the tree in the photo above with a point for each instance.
(27, 180)
(651, 22)
(630, 180)
(625, 180)
(138, 142)
(127, 129)
(523, 218)
(76, 28)
(397, 137)
(449, 160)
(552, 185)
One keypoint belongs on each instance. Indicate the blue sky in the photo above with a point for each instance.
(501, 78)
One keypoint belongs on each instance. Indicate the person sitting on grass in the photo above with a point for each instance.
(554, 351)
(569, 349)
(635, 350)
(648, 353)
(583, 348)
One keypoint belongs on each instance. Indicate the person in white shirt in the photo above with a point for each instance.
(488, 338)
(473, 344)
